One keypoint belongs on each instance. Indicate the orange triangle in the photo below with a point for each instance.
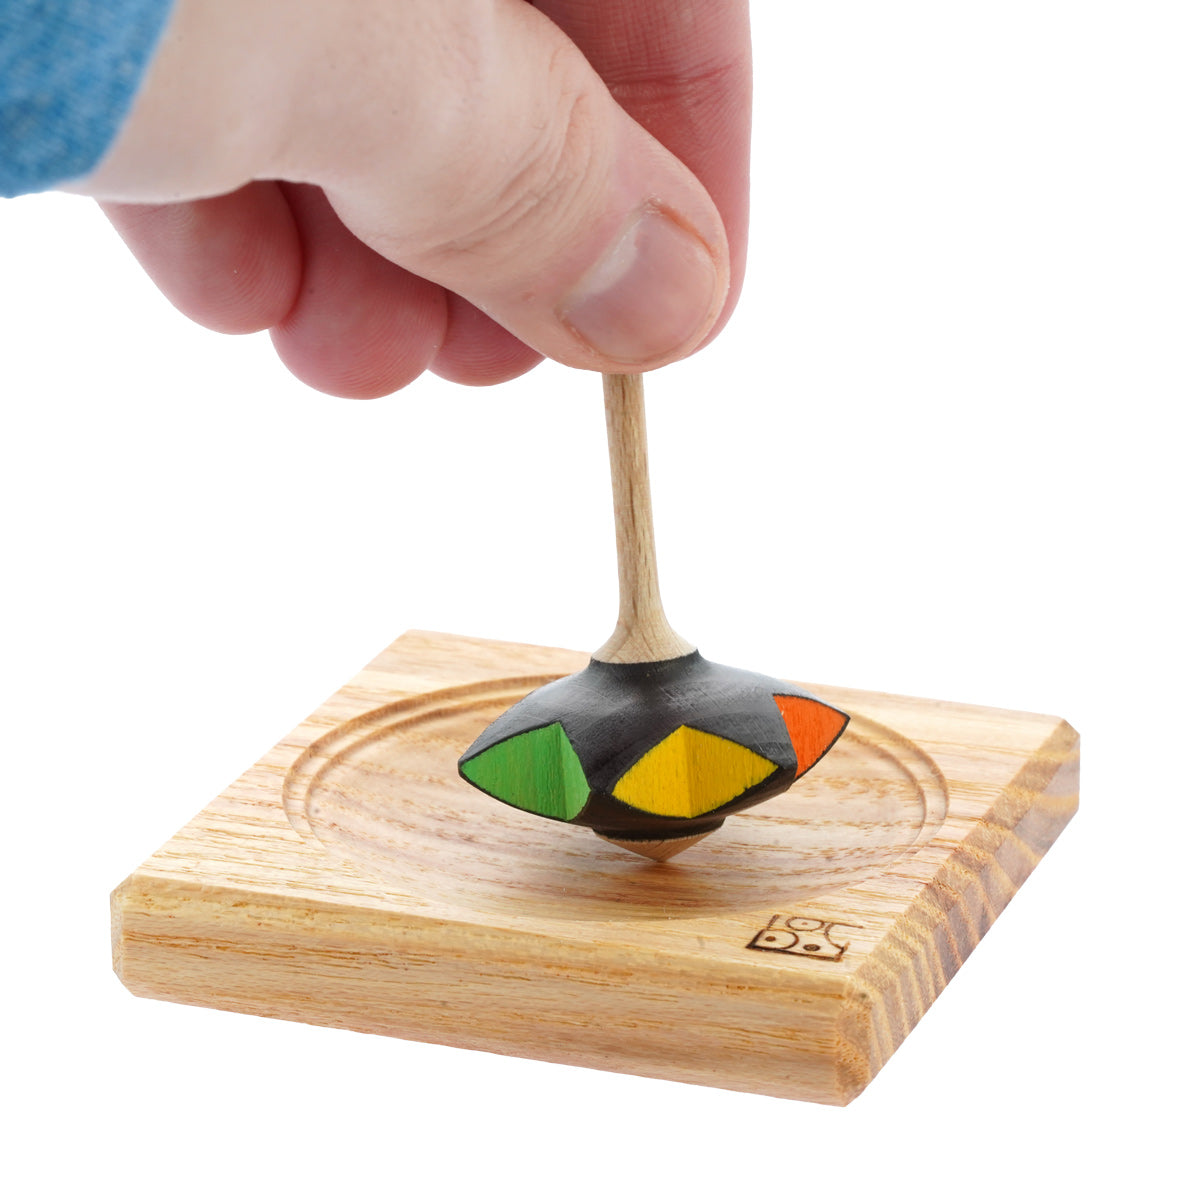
(812, 726)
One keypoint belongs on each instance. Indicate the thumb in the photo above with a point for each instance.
(497, 164)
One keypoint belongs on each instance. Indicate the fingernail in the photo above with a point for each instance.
(654, 290)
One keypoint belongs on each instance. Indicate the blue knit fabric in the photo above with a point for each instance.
(69, 71)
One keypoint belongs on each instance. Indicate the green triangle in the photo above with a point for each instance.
(538, 771)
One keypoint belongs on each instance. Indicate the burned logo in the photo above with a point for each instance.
(808, 937)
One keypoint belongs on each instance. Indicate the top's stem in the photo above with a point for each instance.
(642, 633)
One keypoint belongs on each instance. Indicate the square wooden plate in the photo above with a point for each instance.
(350, 878)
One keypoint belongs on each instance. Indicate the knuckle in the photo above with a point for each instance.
(701, 88)
(524, 186)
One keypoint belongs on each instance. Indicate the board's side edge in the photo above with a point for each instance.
(614, 1006)
(912, 965)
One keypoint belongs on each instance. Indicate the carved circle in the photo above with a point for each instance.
(382, 792)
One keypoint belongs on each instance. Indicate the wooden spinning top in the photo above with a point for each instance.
(651, 746)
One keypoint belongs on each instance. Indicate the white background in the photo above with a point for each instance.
(946, 448)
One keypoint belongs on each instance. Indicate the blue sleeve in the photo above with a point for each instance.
(69, 72)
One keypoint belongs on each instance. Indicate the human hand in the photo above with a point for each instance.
(395, 185)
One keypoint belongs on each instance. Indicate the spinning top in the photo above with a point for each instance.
(650, 745)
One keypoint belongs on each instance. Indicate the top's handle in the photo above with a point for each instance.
(642, 633)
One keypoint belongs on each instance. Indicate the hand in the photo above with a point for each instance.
(463, 185)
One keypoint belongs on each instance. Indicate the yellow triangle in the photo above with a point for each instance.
(690, 773)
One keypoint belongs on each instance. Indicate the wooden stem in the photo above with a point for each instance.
(642, 633)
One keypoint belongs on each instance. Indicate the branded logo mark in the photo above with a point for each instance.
(808, 937)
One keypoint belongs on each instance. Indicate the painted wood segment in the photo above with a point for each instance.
(690, 773)
(351, 878)
(812, 728)
(538, 770)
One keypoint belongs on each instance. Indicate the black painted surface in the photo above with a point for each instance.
(613, 713)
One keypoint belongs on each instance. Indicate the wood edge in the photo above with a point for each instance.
(501, 644)
(195, 920)
(853, 1065)
(116, 911)
(170, 891)
(814, 686)
(854, 695)
(911, 966)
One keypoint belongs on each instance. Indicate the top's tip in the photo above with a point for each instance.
(659, 849)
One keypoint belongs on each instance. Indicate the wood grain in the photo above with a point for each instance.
(351, 878)
(643, 633)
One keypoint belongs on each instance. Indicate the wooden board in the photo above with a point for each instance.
(351, 878)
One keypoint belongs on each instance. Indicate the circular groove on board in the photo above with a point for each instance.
(382, 792)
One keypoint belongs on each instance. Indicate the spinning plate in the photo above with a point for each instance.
(352, 878)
